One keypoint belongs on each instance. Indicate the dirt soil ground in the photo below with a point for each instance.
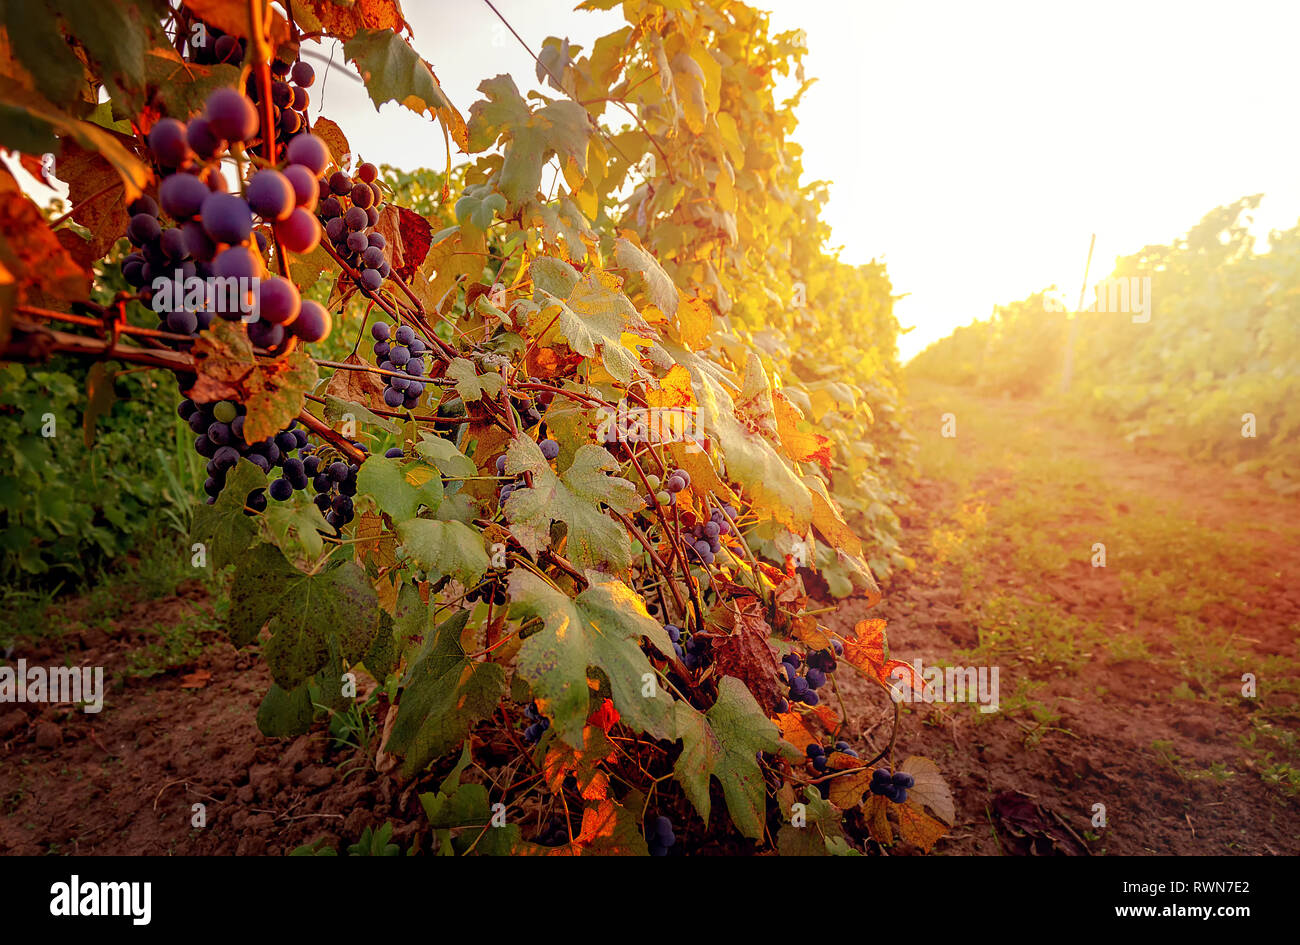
(1176, 776)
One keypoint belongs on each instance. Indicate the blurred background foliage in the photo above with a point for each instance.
(1223, 341)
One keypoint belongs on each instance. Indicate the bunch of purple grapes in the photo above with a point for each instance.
(289, 96)
(804, 685)
(529, 407)
(335, 482)
(706, 537)
(213, 236)
(538, 724)
(550, 450)
(401, 352)
(208, 46)
(673, 483)
(893, 786)
(350, 213)
(692, 650)
(220, 440)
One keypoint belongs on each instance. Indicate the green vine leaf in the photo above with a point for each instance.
(820, 834)
(306, 613)
(531, 137)
(449, 547)
(223, 528)
(594, 314)
(598, 634)
(393, 71)
(445, 694)
(472, 385)
(722, 743)
(574, 499)
(442, 452)
(399, 487)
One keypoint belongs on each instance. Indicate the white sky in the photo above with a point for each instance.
(973, 147)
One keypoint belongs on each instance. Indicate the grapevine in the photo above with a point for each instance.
(567, 501)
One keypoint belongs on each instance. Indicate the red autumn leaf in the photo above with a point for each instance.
(605, 717)
(746, 654)
(408, 237)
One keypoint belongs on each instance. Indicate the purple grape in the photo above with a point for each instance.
(229, 49)
(143, 204)
(236, 262)
(168, 144)
(309, 151)
(227, 218)
(355, 219)
(300, 233)
(313, 322)
(197, 242)
(306, 188)
(182, 195)
(371, 278)
(203, 139)
(265, 334)
(380, 331)
(362, 195)
(340, 183)
(182, 322)
(232, 116)
(281, 94)
(143, 229)
(271, 195)
(173, 244)
(278, 300)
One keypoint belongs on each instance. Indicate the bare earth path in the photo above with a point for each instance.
(1119, 686)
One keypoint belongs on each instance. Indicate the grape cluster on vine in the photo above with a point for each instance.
(220, 440)
(289, 96)
(213, 236)
(207, 45)
(804, 684)
(694, 651)
(817, 754)
(706, 537)
(350, 212)
(401, 352)
(892, 786)
(335, 482)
